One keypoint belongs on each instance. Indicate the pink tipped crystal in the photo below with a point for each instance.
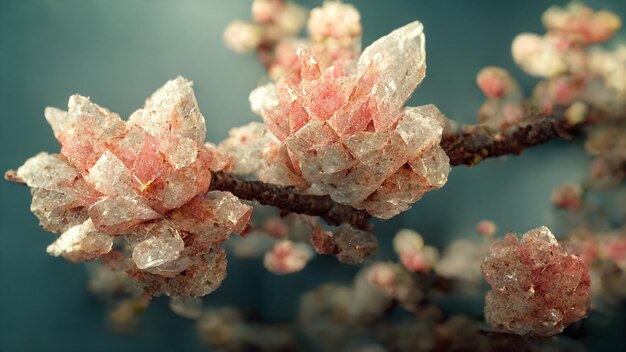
(342, 129)
(537, 288)
(145, 180)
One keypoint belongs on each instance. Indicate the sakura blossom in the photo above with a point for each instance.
(537, 288)
(144, 181)
(361, 146)
(147, 201)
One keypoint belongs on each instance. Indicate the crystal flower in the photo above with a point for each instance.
(581, 23)
(537, 288)
(342, 130)
(144, 180)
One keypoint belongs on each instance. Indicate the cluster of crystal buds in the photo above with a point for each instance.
(537, 287)
(272, 21)
(562, 55)
(135, 192)
(343, 130)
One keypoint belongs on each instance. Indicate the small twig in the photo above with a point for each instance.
(12, 176)
(470, 148)
(287, 198)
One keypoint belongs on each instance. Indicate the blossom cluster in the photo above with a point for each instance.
(342, 130)
(575, 75)
(135, 193)
(537, 287)
(334, 32)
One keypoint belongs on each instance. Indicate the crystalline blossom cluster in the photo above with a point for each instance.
(141, 184)
(343, 130)
(537, 288)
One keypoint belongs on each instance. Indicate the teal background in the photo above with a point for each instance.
(119, 51)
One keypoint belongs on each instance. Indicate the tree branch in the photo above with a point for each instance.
(467, 148)
(287, 198)
(479, 143)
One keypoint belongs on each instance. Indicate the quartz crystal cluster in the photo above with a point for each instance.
(342, 130)
(537, 288)
(135, 192)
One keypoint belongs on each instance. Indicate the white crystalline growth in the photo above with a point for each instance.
(159, 249)
(246, 144)
(401, 56)
(343, 130)
(81, 243)
(174, 101)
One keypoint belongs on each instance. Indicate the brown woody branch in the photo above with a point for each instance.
(467, 148)
(479, 143)
(287, 198)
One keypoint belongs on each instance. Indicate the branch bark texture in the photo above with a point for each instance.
(466, 148)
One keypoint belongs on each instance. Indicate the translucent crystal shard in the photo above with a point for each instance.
(537, 288)
(401, 57)
(88, 127)
(118, 215)
(202, 277)
(163, 246)
(341, 128)
(59, 192)
(81, 243)
(420, 128)
(173, 105)
(109, 176)
(47, 171)
(245, 144)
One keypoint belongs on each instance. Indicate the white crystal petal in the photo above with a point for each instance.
(48, 171)
(81, 243)
(172, 110)
(400, 59)
(57, 119)
(160, 249)
(263, 98)
(110, 176)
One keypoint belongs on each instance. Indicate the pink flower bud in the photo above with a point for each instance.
(492, 81)
(486, 228)
(407, 240)
(287, 257)
(421, 261)
(264, 11)
(334, 20)
(382, 275)
(242, 36)
(582, 23)
(567, 196)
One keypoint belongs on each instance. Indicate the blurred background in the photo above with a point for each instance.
(119, 52)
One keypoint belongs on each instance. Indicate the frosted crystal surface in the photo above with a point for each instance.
(342, 129)
(537, 288)
(144, 181)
